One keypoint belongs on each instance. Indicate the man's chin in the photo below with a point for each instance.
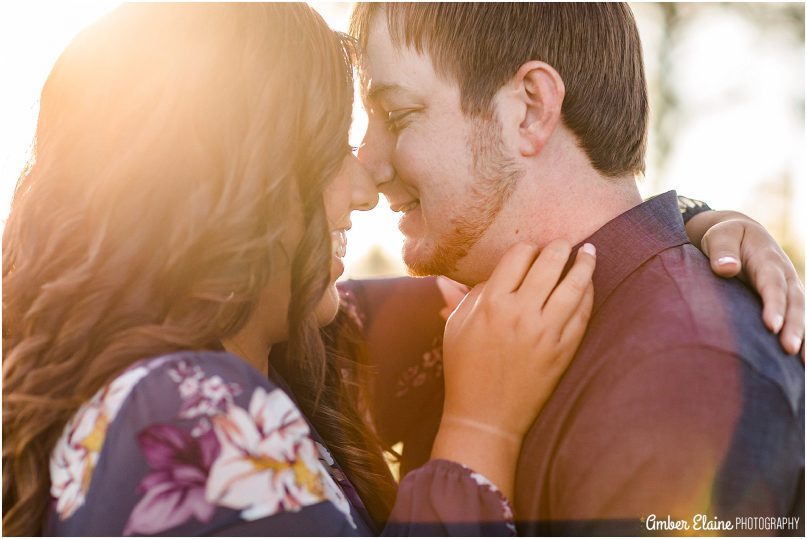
(420, 270)
(418, 260)
(424, 259)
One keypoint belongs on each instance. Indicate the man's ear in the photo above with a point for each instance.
(541, 91)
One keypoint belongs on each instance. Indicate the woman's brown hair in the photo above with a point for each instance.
(172, 141)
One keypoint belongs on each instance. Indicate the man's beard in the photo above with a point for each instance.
(495, 178)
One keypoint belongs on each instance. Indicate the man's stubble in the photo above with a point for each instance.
(494, 179)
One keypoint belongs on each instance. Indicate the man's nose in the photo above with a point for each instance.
(363, 195)
(375, 155)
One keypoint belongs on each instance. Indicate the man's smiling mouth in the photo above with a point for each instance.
(406, 207)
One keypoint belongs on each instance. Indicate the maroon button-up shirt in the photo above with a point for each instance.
(680, 406)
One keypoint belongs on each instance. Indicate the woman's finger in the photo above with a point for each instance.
(511, 269)
(465, 306)
(545, 272)
(561, 305)
(792, 335)
(573, 332)
(721, 243)
(772, 286)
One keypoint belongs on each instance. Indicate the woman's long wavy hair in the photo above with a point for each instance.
(173, 142)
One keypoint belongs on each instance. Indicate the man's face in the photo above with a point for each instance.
(447, 173)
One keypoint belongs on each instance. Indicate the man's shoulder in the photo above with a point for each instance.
(677, 380)
(674, 305)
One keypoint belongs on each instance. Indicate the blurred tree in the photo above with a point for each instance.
(376, 263)
(784, 22)
(665, 105)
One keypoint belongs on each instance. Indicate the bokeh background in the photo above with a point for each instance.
(727, 110)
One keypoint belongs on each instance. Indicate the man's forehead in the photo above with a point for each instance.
(389, 73)
(392, 71)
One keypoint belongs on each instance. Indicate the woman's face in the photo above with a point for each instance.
(351, 189)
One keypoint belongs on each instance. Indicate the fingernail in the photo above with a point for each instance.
(778, 320)
(726, 260)
(589, 248)
(794, 344)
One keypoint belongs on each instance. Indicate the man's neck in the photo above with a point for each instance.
(574, 208)
(562, 204)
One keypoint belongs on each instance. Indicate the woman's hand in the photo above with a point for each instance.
(505, 348)
(739, 246)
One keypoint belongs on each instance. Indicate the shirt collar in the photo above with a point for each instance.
(631, 239)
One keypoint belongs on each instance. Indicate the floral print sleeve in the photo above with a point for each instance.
(199, 443)
(194, 444)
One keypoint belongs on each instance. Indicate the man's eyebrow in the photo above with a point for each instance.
(380, 91)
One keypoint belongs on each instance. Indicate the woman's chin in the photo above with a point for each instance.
(328, 306)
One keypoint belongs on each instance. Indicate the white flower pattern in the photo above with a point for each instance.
(507, 509)
(268, 461)
(76, 452)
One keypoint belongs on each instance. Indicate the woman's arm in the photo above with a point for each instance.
(506, 346)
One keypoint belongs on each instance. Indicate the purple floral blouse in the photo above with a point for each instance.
(200, 443)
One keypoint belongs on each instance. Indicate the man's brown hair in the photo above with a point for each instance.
(594, 47)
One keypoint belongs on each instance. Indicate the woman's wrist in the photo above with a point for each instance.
(479, 447)
(493, 430)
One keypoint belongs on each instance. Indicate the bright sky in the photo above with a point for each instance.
(743, 94)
